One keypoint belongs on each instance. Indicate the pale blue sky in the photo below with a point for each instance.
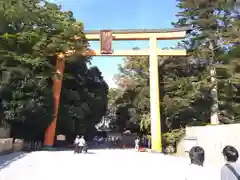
(122, 14)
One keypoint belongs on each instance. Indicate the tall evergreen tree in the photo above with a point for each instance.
(212, 22)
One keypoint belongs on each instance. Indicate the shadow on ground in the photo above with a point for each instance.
(106, 146)
(91, 146)
(6, 160)
(90, 153)
(57, 149)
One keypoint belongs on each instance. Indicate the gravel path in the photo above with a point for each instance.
(98, 165)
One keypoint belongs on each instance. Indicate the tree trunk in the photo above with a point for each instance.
(214, 94)
(214, 119)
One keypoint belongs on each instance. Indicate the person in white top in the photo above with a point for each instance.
(137, 141)
(231, 170)
(81, 144)
(76, 141)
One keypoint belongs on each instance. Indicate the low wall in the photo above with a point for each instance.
(18, 145)
(213, 139)
(6, 145)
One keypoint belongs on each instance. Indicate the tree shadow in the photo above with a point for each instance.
(6, 160)
(56, 149)
(103, 146)
(90, 153)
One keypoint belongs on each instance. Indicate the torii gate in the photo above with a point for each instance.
(106, 37)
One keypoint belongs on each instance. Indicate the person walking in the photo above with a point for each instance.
(231, 170)
(81, 144)
(149, 144)
(197, 155)
(76, 142)
(137, 142)
(196, 170)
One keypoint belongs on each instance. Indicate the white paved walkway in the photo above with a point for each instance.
(97, 165)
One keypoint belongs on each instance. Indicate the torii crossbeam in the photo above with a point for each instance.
(106, 37)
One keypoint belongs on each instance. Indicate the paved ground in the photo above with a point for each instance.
(97, 165)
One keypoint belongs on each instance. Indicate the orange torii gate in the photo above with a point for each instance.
(106, 37)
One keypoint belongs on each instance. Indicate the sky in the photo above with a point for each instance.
(121, 14)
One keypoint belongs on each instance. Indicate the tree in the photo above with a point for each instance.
(214, 27)
(133, 101)
(187, 88)
(31, 34)
(112, 94)
(229, 80)
(83, 98)
(180, 106)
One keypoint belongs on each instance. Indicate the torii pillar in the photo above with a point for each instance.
(106, 37)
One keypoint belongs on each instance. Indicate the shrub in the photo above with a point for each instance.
(171, 138)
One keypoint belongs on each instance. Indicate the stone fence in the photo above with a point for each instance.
(9, 145)
(6, 145)
(213, 138)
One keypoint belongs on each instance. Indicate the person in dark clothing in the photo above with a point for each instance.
(196, 170)
(85, 148)
(231, 170)
(197, 155)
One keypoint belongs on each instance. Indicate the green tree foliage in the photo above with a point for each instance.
(185, 82)
(186, 99)
(133, 99)
(83, 98)
(215, 31)
(31, 33)
(183, 91)
(229, 90)
(112, 94)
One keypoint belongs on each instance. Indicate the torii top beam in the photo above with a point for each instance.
(141, 34)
